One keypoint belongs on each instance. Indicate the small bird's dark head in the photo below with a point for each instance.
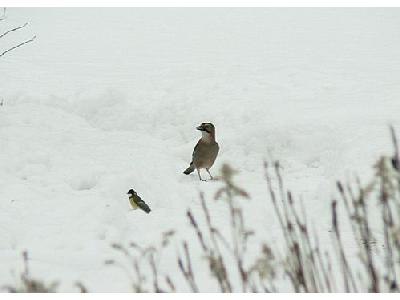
(131, 192)
(207, 127)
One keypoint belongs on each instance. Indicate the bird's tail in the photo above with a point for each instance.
(143, 206)
(189, 170)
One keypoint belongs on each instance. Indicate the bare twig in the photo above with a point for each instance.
(12, 30)
(19, 45)
(187, 270)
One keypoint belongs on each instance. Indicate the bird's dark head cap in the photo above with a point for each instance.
(207, 127)
(131, 192)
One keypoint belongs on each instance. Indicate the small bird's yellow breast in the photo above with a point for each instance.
(132, 202)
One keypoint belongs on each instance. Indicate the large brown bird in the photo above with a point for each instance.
(205, 152)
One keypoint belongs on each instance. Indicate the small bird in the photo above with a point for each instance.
(205, 152)
(136, 201)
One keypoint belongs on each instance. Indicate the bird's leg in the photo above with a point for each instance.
(198, 172)
(208, 171)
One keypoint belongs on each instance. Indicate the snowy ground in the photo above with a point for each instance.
(108, 99)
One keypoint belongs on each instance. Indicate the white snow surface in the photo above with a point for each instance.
(105, 100)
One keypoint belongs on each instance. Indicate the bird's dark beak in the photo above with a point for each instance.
(201, 128)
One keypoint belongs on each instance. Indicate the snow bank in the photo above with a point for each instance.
(108, 99)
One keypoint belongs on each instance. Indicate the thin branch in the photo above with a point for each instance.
(188, 271)
(14, 29)
(19, 45)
